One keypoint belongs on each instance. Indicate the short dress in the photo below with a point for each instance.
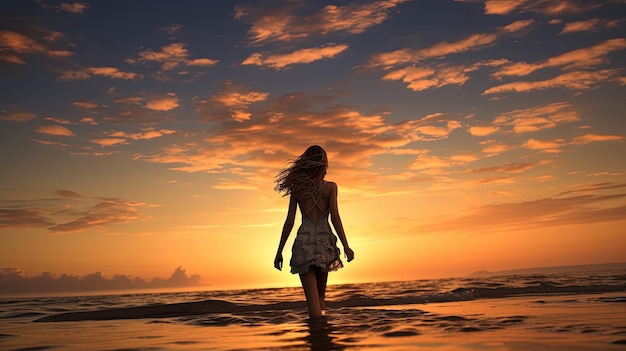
(315, 245)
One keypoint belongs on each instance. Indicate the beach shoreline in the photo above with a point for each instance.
(360, 317)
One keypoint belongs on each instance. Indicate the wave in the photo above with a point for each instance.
(216, 306)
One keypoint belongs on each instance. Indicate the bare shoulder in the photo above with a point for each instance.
(330, 186)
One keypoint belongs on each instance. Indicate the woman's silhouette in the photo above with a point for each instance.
(315, 250)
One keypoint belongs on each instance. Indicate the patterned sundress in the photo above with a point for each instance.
(315, 244)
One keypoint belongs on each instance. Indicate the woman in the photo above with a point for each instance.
(315, 250)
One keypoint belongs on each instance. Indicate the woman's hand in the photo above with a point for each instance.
(278, 261)
(349, 254)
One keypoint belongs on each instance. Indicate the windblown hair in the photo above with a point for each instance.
(304, 176)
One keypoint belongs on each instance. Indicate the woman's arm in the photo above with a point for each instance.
(287, 227)
(336, 220)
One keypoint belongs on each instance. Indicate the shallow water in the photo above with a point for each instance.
(574, 311)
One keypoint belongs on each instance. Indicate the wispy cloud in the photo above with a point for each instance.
(445, 48)
(530, 119)
(588, 25)
(231, 102)
(85, 104)
(71, 7)
(308, 55)
(402, 56)
(425, 77)
(170, 57)
(69, 211)
(17, 116)
(146, 134)
(545, 212)
(545, 7)
(288, 21)
(577, 80)
(508, 167)
(54, 130)
(576, 59)
(109, 72)
(547, 146)
(590, 138)
(16, 48)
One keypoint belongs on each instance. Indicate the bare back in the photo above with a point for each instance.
(317, 208)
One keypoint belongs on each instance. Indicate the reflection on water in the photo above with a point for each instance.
(515, 313)
(322, 335)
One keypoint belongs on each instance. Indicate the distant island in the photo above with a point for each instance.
(554, 269)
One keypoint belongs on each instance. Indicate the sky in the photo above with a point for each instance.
(142, 138)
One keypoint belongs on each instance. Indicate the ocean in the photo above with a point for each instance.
(549, 311)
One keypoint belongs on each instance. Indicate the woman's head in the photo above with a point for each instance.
(315, 159)
(305, 175)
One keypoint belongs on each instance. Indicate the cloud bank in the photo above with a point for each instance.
(14, 281)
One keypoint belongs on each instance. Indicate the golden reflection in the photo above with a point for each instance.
(322, 335)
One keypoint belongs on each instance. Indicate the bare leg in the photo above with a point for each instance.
(322, 278)
(309, 284)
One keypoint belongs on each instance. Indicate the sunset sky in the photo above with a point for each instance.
(137, 137)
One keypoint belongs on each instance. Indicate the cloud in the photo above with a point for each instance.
(163, 103)
(19, 43)
(17, 116)
(581, 26)
(69, 193)
(492, 147)
(545, 7)
(482, 130)
(14, 281)
(85, 104)
(423, 78)
(172, 29)
(122, 138)
(577, 80)
(231, 102)
(427, 162)
(89, 120)
(106, 212)
(68, 211)
(535, 118)
(110, 72)
(15, 47)
(550, 146)
(472, 42)
(53, 143)
(541, 213)
(24, 218)
(576, 59)
(286, 24)
(508, 167)
(146, 134)
(59, 120)
(589, 138)
(279, 61)
(170, 57)
(76, 7)
(108, 141)
(72, 7)
(54, 130)
(246, 152)
(113, 72)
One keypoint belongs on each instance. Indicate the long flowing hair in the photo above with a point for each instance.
(304, 176)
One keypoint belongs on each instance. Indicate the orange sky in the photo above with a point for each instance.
(463, 135)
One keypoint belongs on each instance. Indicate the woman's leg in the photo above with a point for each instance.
(309, 284)
(322, 278)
